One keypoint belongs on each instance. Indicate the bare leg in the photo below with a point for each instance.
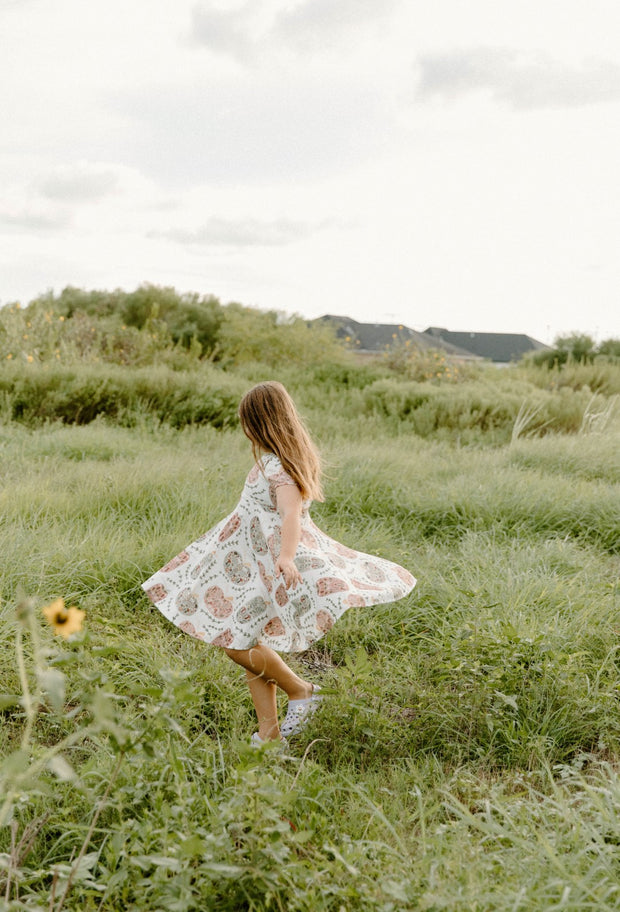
(264, 669)
(264, 699)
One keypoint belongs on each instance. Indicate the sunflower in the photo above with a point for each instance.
(64, 621)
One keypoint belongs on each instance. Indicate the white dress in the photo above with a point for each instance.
(222, 588)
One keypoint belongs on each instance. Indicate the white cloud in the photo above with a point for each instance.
(521, 80)
(81, 182)
(34, 220)
(226, 32)
(242, 233)
(326, 24)
(256, 30)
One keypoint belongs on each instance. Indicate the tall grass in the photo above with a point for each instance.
(78, 395)
(490, 407)
(466, 755)
(603, 376)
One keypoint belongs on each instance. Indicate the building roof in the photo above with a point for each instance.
(499, 347)
(471, 346)
(377, 337)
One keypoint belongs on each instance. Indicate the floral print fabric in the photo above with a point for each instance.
(222, 588)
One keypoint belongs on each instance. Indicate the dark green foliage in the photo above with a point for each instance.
(576, 348)
(79, 396)
(327, 377)
(610, 347)
(155, 324)
(186, 316)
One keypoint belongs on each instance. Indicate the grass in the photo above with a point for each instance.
(467, 755)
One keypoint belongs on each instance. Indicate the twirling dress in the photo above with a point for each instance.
(223, 590)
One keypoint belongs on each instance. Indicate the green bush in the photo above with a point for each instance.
(488, 407)
(248, 336)
(80, 395)
(601, 376)
(158, 325)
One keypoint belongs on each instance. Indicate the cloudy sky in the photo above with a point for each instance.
(444, 163)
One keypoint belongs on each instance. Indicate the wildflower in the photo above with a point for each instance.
(61, 319)
(29, 359)
(63, 621)
(9, 356)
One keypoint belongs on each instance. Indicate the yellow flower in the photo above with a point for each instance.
(64, 621)
(9, 356)
(61, 319)
(29, 359)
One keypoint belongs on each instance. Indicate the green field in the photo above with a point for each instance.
(467, 756)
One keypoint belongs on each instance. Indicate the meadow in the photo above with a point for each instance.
(467, 754)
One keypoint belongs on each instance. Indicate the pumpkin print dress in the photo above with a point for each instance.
(222, 588)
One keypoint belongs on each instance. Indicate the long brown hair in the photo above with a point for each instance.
(271, 421)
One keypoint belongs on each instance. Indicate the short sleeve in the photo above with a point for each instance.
(280, 478)
(276, 475)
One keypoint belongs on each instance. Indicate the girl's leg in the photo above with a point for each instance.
(264, 669)
(264, 699)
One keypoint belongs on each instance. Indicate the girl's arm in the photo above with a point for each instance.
(288, 500)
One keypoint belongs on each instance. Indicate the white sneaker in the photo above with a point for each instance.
(257, 741)
(299, 712)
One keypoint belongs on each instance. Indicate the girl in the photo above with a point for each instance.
(266, 578)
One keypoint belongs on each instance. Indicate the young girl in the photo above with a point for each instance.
(266, 578)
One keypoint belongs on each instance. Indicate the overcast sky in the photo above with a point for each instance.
(450, 163)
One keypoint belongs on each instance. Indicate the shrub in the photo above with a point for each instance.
(421, 364)
(158, 325)
(78, 396)
(602, 376)
(472, 407)
(248, 335)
